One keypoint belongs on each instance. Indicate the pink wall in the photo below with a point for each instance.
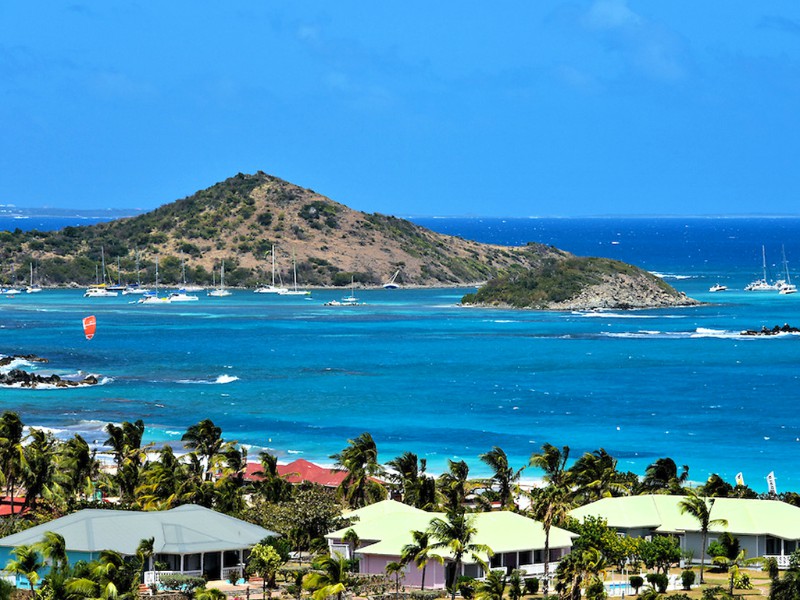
(434, 572)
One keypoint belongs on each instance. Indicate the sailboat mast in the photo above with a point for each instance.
(103, 260)
(764, 262)
(273, 265)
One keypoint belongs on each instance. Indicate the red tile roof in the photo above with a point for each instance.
(301, 470)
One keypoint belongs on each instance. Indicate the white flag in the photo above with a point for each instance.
(771, 484)
(740, 479)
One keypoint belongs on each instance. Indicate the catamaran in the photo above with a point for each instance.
(100, 289)
(152, 297)
(32, 289)
(271, 289)
(787, 287)
(762, 285)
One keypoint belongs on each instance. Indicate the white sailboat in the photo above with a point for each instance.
(188, 287)
(100, 290)
(350, 300)
(152, 297)
(787, 287)
(220, 292)
(295, 291)
(762, 285)
(271, 289)
(391, 285)
(136, 288)
(32, 289)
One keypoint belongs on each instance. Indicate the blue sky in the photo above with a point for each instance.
(419, 108)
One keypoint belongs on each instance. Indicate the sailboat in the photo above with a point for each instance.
(295, 291)
(117, 287)
(187, 287)
(761, 285)
(391, 285)
(135, 288)
(350, 300)
(99, 290)
(787, 287)
(152, 297)
(271, 289)
(220, 291)
(33, 289)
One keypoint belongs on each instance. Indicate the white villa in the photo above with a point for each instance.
(385, 528)
(190, 539)
(764, 527)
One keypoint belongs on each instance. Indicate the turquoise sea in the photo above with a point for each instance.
(423, 374)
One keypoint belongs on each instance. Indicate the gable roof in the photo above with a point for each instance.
(662, 513)
(385, 527)
(183, 530)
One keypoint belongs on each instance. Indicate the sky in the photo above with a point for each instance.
(528, 108)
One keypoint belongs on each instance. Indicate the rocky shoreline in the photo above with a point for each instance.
(23, 379)
(776, 330)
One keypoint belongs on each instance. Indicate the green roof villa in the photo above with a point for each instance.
(764, 527)
(385, 527)
(190, 539)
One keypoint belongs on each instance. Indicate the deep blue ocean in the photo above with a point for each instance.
(425, 375)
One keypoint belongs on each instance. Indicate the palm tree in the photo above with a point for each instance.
(419, 551)
(54, 549)
(396, 569)
(161, 482)
(330, 577)
(360, 460)
(39, 472)
(27, 564)
(418, 489)
(456, 534)
(129, 456)
(454, 485)
(205, 439)
(733, 565)
(78, 468)
(595, 476)
(11, 453)
(272, 487)
(493, 587)
(503, 476)
(553, 462)
(549, 506)
(700, 507)
(662, 477)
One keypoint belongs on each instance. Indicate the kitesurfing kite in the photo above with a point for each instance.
(89, 326)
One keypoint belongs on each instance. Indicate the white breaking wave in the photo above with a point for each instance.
(672, 275)
(17, 363)
(612, 315)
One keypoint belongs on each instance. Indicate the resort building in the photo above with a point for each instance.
(764, 527)
(384, 528)
(300, 471)
(189, 539)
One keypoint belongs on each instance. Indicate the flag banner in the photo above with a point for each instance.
(771, 483)
(740, 479)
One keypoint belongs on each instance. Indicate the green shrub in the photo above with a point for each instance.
(532, 586)
(687, 579)
(742, 581)
(596, 590)
(659, 581)
(636, 582)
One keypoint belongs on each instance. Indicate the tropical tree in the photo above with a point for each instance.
(395, 569)
(264, 562)
(331, 577)
(204, 593)
(419, 551)
(595, 476)
(272, 486)
(162, 482)
(360, 460)
(456, 534)
(54, 549)
(503, 476)
(662, 477)
(28, 563)
(39, 471)
(734, 565)
(12, 456)
(125, 441)
(550, 505)
(493, 586)
(78, 469)
(454, 485)
(418, 488)
(205, 440)
(579, 567)
(553, 462)
(699, 507)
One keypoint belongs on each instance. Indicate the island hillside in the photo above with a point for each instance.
(240, 220)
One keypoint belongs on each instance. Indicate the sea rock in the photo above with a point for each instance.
(21, 378)
(786, 328)
(7, 360)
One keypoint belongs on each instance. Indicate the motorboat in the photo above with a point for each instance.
(151, 297)
(718, 288)
(99, 291)
(182, 296)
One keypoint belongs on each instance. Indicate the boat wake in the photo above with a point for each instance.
(672, 275)
(699, 333)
